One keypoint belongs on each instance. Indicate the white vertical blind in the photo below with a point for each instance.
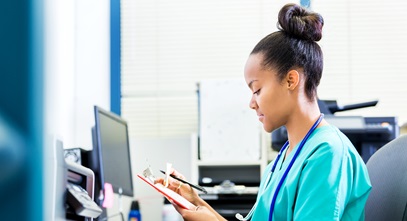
(365, 51)
(169, 46)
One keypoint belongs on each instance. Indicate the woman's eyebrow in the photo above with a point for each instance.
(250, 84)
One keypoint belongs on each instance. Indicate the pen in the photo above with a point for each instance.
(183, 181)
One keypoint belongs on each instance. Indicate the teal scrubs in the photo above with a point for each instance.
(328, 181)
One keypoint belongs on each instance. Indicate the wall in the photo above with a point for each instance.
(77, 73)
(77, 56)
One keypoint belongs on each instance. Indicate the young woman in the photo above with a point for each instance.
(318, 174)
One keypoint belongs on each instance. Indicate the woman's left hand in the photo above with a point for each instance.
(201, 213)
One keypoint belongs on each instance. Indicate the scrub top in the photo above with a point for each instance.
(328, 181)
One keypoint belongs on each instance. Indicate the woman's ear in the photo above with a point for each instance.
(292, 79)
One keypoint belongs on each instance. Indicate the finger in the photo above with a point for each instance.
(159, 180)
(177, 174)
(176, 185)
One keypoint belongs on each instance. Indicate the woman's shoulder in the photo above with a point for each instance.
(330, 140)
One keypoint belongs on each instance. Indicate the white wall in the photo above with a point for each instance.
(59, 77)
(77, 67)
(92, 83)
(77, 74)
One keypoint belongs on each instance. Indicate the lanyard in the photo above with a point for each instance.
(273, 201)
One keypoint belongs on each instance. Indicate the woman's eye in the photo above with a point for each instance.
(256, 92)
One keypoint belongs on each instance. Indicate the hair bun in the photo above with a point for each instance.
(300, 23)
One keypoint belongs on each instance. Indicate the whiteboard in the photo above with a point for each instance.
(229, 129)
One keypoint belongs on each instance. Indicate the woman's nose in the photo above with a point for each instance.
(253, 103)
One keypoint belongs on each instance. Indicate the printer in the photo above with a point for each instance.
(367, 134)
(71, 187)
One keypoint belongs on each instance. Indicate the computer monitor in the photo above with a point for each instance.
(110, 157)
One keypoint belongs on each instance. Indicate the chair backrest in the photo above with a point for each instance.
(387, 169)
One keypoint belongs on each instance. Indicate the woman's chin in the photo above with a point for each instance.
(268, 129)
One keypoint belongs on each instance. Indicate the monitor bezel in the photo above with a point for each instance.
(97, 111)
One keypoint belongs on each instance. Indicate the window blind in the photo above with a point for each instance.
(365, 52)
(169, 46)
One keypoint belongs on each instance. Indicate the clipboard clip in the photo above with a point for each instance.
(148, 174)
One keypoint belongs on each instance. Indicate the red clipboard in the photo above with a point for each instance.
(169, 194)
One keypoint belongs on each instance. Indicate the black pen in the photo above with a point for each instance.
(183, 181)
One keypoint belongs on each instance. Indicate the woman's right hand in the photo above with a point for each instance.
(182, 189)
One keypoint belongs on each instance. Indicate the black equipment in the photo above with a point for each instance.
(231, 189)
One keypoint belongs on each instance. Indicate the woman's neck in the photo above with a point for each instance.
(301, 122)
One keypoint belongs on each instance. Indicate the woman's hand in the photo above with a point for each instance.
(201, 213)
(182, 189)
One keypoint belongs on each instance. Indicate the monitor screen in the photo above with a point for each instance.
(113, 151)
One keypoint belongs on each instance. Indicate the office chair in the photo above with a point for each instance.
(387, 169)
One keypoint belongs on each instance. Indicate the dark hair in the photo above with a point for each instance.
(294, 46)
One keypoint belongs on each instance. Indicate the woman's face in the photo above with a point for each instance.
(270, 97)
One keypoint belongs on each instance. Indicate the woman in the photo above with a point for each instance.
(318, 174)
